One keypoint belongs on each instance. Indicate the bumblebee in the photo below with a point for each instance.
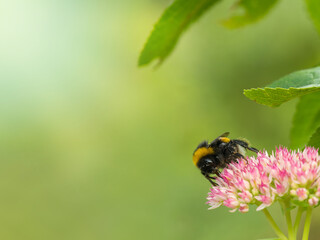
(210, 158)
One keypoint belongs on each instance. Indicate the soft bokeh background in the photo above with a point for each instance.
(93, 147)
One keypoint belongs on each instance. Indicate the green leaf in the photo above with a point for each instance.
(289, 87)
(249, 11)
(315, 139)
(313, 7)
(291, 207)
(174, 21)
(303, 204)
(305, 120)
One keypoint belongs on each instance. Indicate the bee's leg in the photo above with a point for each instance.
(213, 183)
(237, 156)
(217, 173)
(214, 142)
(253, 149)
(209, 178)
(245, 145)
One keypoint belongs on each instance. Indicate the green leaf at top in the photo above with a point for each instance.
(314, 11)
(174, 21)
(249, 12)
(315, 139)
(305, 120)
(291, 86)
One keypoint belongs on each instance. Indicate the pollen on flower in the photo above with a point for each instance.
(264, 179)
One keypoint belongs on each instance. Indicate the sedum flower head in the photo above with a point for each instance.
(265, 179)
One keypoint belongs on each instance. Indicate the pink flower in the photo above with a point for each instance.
(313, 201)
(265, 200)
(264, 179)
(302, 194)
(231, 202)
(244, 208)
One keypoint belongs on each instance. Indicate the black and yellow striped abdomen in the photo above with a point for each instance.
(200, 153)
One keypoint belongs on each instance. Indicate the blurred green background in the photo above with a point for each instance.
(93, 147)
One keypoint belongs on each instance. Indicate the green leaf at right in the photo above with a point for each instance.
(249, 11)
(294, 85)
(315, 139)
(313, 7)
(167, 31)
(306, 120)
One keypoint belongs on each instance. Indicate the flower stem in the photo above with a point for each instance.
(298, 219)
(287, 213)
(274, 225)
(307, 224)
(291, 234)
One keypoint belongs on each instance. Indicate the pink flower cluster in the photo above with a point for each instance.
(267, 178)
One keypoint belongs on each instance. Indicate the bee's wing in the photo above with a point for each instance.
(226, 134)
